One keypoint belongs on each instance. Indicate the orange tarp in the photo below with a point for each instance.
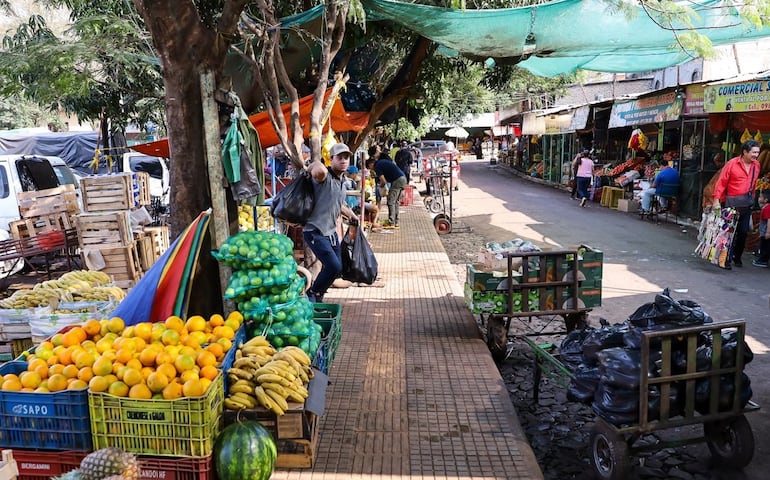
(340, 120)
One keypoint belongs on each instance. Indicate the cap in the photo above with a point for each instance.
(352, 169)
(338, 148)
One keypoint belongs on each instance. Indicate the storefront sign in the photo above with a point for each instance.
(556, 124)
(693, 100)
(748, 96)
(644, 111)
(532, 124)
(580, 118)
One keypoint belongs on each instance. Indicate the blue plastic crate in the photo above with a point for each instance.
(58, 420)
(227, 362)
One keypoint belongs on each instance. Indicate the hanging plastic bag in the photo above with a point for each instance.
(758, 137)
(746, 135)
(358, 261)
(326, 147)
(248, 186)
(294, 204)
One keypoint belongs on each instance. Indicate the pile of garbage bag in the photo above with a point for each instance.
(606, 363)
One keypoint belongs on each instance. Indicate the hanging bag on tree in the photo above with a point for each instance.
(295, 202)
(359, 264)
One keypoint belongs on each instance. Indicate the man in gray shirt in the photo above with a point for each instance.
(320, 231)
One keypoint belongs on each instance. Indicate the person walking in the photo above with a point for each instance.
(320, 231)
(583, 176)
(404, 160)
(574, 166)
(388, 172)
(735, 188)
(764, 231)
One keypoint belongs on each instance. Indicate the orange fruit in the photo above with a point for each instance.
(70, 371)
(193, 388)
(44, 346)
(170, 337)
(80, 333)
(33, 364)
(164, 357)
(117, 369)
(157, 331)
(146, 371)
(132, 377)
(128, 332)
(226, 343)
(85, 359)
(42, 390)
(102, 366)
(147, 357)
(85, 374)
(196, 323)
(30, 379)
(11, 385)
(233, 324)
(104, 345)
(157, 381)
(172, 391)
(216, 349)
(57, 339)
(140, 391)
(111, 377)
(167, 369)
(216, 320)
(174, 323)
(135, 364)
(54, 369)
(139, 344)
(208, 372)
(41, 370)
(70, 339)
(92, 327)
(115, 325)
(184, 363)
(143, 330)
(236, 315)
(10, 376)
(205, 384)
(57, 382)
(124, 355)
(77, 384)
(119, 389)
(206, 358)
(98, 384)
(189, 375)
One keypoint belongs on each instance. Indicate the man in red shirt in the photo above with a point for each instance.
(735, 188)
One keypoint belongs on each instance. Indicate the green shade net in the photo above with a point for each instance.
(568, 35)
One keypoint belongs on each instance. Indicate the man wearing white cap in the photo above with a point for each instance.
(320, 231)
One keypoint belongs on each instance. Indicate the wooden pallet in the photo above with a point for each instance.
(108, 192)
(104, 229)
(146, 251)
(122, 264)
(14, 331)
(33, 226)
(160, 240)
(48, 202)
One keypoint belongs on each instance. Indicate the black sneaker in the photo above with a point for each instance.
(737, 262)
(757, 263)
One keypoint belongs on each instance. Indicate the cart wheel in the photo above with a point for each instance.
(497, 338)
(442, 224)
(730, 441)
(436, 206)
(609, 453)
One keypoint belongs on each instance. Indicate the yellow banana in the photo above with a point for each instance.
(278, 399)
(276, 387)
(246, 363)
(241, 373)
(234, 404)
(298, 354)
(242, 388)
(245, 398)
(247, 383)
(259, 340)
(258, 349)
(294, 396)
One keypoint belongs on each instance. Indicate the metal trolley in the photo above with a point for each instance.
(726, 431)
(441, 181)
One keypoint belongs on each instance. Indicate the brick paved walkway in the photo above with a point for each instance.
(414, 392)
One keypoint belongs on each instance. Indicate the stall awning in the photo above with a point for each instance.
(532, 124)
(340, 120)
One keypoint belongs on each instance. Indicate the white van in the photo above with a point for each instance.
(24, 173)
(156, 167)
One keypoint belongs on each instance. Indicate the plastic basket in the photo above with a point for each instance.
(185, 427)
(37, 465)
(56, 420)
(329, 316)
(177, 468)
(227, 362)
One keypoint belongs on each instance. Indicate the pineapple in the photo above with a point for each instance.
(110, 463)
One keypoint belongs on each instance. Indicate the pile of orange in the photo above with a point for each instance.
(163, 360)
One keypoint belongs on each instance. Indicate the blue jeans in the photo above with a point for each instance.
(582, 186)
(329, 253)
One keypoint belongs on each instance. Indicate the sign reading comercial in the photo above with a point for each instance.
(644, 111)
(746, 96)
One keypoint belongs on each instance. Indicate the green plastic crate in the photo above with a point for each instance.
(329, 316)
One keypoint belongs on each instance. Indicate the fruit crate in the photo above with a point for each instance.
(14, 324)
(57, 420)
(50, 201)
(41, 465)
(298, 453)
(104, 229)
(186, 427)
(329, 316)
(160, 240)
(109, 192)
(122, 264)
(146, 252)
(177, 468)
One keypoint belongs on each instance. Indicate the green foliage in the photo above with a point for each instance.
(17, 112)
(403, 129)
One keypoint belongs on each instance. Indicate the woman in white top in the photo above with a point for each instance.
(585, 171)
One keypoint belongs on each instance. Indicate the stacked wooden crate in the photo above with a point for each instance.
(45, 211)
(105, 227)
(151, 244)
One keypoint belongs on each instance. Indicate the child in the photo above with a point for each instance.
(764, 230)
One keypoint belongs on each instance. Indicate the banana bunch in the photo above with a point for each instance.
(71, 284)
(262, 376)
(39, 297)
(93, 277)
(245, 218)
(99, 294)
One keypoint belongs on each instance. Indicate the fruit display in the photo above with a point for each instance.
(76, 286)
(291, 324)
(245, 217)
(260, 375)
(106, 464)
(253, 250)
(245, 450)
(164, 360)
(265, 221)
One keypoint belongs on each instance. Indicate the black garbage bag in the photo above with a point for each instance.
(730, 349)
(726, 393)
(620, 367)
(603, 338)
(666, 310)
(675, 403)
(571, 348)
(582, 385)
(358, 261)
(295, 202)
(616, 399)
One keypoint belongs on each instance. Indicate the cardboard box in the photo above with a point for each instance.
(481, 278)
(628, 205)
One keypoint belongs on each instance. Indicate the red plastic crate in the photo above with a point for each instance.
(407, 196)
(177, 468)
(42, 465)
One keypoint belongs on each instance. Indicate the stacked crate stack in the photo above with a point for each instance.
(104, 230)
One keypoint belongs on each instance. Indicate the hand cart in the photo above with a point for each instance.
(438, 188)
(551, 284)
(726, 431)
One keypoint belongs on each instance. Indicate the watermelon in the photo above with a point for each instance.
(244, 450)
